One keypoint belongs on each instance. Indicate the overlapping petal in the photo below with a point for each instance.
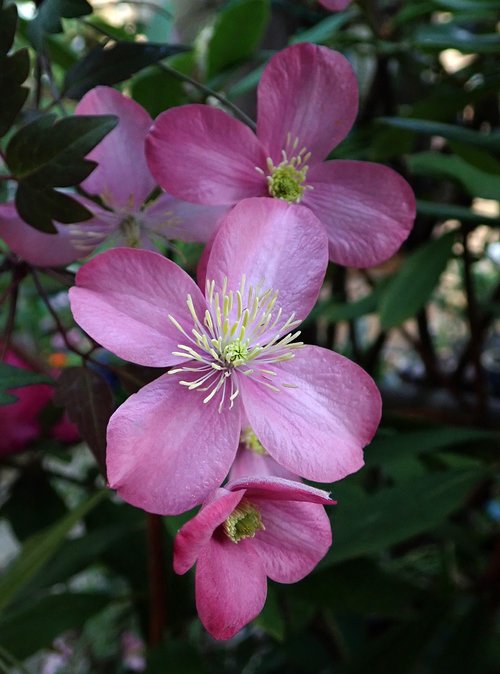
(176, 219)
(295, 538)
(276, 245)
(41, 249)
(196, 533)
(123, 299)
(122, 177)
(201, 154)
(306, 92)
(231, 586)
(166, 450)
(319, 428)
(368, 210)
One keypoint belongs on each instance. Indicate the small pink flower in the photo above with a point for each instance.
(307, 102)
(335, 5)
(234, 352)
(123, 182)
(249, 531)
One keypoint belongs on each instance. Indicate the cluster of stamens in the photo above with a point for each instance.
(287, 180)
(241, 333)
(244, 522)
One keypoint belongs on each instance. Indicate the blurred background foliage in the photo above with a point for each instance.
(411, 584)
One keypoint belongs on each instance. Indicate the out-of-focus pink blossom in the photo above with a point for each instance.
(335, 5)
(20, 420)
(251, 530)
(234, 351)
(307, 103)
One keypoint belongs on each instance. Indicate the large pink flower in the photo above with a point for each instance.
(307, 102)
(251, 530)
(234, 350)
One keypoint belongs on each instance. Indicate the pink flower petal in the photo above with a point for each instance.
(318, 429)
(175, 219)
(196, 533)
(306, 92)
(368, 210)
(231, 586)
(276, 245)
(167, 451)
(122, 178)
(279, 489)
(38, 248)
(335, 5)
(203, 155)
(296, 537)
(248, 463)
(123, 299)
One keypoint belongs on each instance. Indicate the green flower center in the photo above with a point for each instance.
(251, 441)
(236, 353)
(243, 522)
(131, 231)
(287, 182)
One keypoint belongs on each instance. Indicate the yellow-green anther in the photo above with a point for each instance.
(243, 522)
(251, 441)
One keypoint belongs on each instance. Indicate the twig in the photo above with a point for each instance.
(11, 317)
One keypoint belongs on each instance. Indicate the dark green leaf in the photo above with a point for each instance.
(442, 211)
(113, 64)
(39, 206)
(35, 627)
(237, 33)
(8, 21)
(88, 401)
(326, 29)
(23, 510)
(436, 37)
(489, 141)
(39, 549)
(47, 153)
(52, 152)
(366, 524)
(413, 284)
(271, 618)
(473, 5)
(477, 183)
(16, 377)
(48, 18)
(358, 586)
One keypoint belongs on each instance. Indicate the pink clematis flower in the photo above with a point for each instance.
(123, 181)
(234, 351)
(335, 5)
(251, 530)
(307, 102)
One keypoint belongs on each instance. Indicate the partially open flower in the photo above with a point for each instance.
(251, 530)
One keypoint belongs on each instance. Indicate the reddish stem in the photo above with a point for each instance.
(157, 580)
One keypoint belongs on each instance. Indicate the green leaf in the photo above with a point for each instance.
(48, 18)
(157, 90)
(326, 29)
(236, 35)
(40, 206)
(436, 37)
(408, 291)
(88, 401)
(47, 153)
(476, 183)
(490, 141)
(8, 22)
(271, 618)
(52, 152)
(114, 64)
(26, 631)
(14, 69)
(442, 211)
(39, 549)
(473, 5)
(367, 524)
(16, 377)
